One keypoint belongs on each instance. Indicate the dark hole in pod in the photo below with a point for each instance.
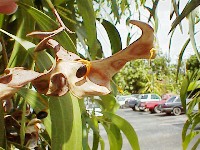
(42, 115)
(81, 71)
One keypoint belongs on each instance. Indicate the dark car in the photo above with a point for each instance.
(122, 100)
(132, 101)
(172, 105)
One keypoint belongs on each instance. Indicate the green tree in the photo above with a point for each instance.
(133, 77)
(193, 63)
(141, 76)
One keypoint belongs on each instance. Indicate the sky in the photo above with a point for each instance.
(163, 12)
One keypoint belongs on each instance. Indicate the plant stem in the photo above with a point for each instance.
(4, 53)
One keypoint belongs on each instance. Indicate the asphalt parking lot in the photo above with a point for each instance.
(155, 131)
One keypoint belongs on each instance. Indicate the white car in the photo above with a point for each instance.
(147, 98)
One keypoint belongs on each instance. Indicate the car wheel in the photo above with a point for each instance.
(152, 111)
(177, 111)
(136, 107)
(156, 109)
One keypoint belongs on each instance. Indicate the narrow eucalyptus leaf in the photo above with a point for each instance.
(185, 128)
(181, 56)
(95, 133)
(102, 143)
(189, 138)
(66, 122)
(191, 5)
(109, 103)
(58, 2)
(111, 137)
(114, 36)
(26, 44)
(37, 101)
(191, 33)
(126, 128)
(115, 9)
(48, 24)
(183, 92)
(195, 146)
(23, 123)
(89, 21)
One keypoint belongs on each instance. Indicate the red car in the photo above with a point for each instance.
(153, 105)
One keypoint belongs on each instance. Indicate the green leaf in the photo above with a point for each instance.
(66, 122)
(2, 128)
(58, 2)
(114, 36)
(196, 145)
(66, 14)
(89, 20)
(184, 130)
(24, 25)
(194, 85)
(183, 91)
(26, 44)
(95, 141)
(116, 131)
(37, 101)
(95, 133)
(189, 138)
(109, 103)
(196, 121)
(1, 20)
(42, 65)
(48, 124)
(191, 33)
(115, 9)
(85, 134)
(188, 9)
(39, 56)
(181, 56)
(126, 128)
(191, 105)
(111, 137)
(176, 11)
(23, 123)
(19, 54)
(102, 143)
(114, 136)
(48, 24)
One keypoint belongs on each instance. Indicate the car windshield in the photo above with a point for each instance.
(177, 99)
(143, 96)
(171, 99)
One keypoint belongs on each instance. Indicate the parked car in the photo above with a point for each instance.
(143, 98)
(123, 100)
(152, 106)
(172, 105)
(132, 101)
